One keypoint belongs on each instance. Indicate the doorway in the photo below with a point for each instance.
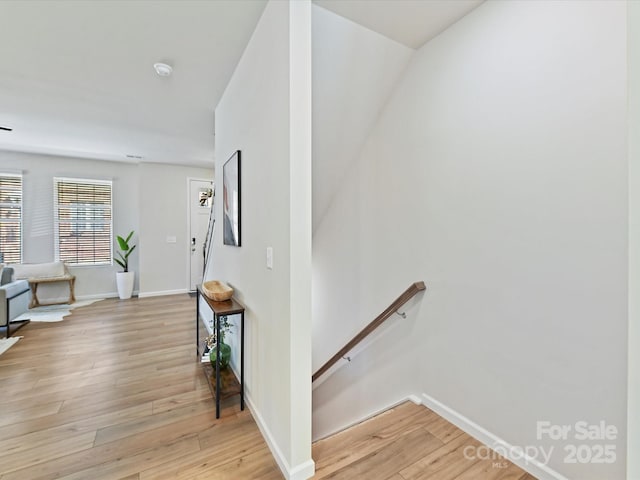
(201, 197)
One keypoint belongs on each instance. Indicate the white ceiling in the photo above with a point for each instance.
(410, 22)
(77, 78)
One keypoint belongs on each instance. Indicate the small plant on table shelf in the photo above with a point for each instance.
(225, 350)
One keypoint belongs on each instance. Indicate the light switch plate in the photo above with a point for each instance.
(270, 258)
(171, 239)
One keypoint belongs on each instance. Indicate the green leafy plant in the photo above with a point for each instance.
(225, 327)
(225, 350)
(123, 243)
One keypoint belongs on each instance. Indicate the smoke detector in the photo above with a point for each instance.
(163, 69)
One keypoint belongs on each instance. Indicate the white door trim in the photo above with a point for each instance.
(188, 252)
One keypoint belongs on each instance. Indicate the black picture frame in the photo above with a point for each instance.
(231, 201)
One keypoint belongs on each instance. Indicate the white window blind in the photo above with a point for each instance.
(10, 218)
(83, 221)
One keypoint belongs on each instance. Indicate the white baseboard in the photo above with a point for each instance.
(92, 296)
(115, 295)
(162, 293)
(299, 472)
(303, 471)
(97, 296)
(527, 463)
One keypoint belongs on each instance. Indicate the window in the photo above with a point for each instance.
(10, 218)
(83, 223)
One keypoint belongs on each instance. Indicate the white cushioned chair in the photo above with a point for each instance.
(14, 300)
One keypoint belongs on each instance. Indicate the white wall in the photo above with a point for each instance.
(354, 71)
(497, 173)
(633, 420)
(136, 206)
(300, 227)
(164, 213)
(264, 112)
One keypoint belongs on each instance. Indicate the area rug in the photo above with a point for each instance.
(7, 343)
(54, 313)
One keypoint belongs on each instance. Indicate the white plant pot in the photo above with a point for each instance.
(124, 281)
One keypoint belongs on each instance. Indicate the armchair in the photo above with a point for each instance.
(14, 300)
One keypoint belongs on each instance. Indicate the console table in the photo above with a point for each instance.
(222, 384)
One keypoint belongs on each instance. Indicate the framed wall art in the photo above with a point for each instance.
(231, 200)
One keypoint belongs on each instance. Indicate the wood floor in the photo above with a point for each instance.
(409, 442)
(114, 392)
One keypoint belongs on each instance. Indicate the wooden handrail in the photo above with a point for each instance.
(379, 320)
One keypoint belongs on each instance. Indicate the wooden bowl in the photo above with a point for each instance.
(217, 290)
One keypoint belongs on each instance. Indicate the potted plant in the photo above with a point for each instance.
(225, 350)
(124, 279)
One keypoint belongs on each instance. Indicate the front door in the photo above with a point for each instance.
(200, 204)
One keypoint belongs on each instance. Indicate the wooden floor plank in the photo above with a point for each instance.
(494, 469)
(43, 430)
(84, 403)
(256, 465)
(130, 465)
(14, 460)
(527, 476)
(387, 461)
(152, 422)
(234, 445)
(171, 402)
(445, 463)
(29, 412)
(109, 452)
(353, 444)
(442, 429)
